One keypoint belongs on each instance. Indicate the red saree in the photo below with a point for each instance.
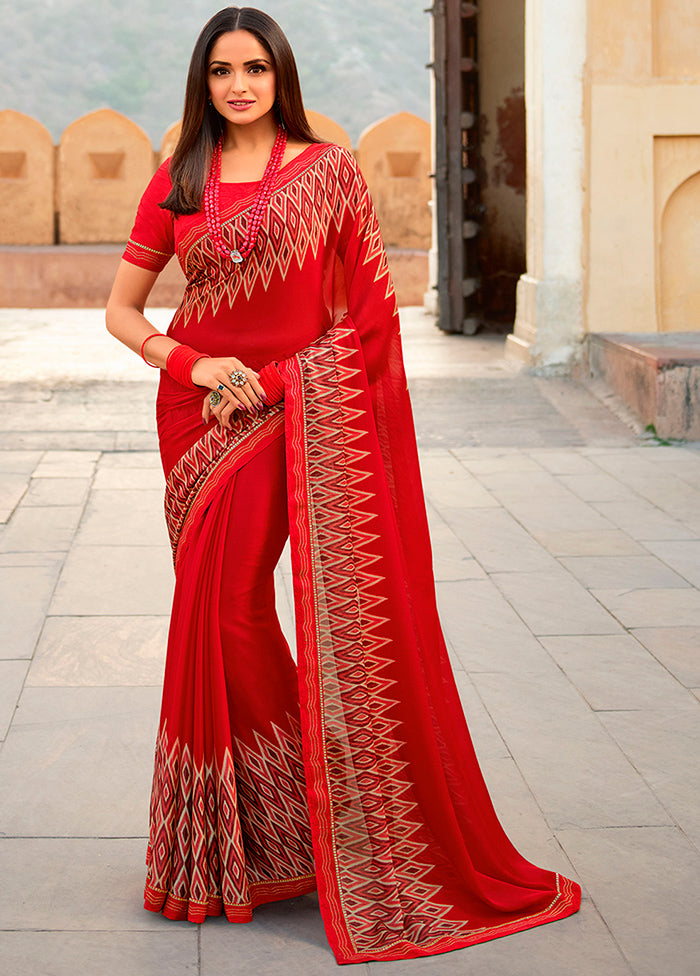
(364, 783)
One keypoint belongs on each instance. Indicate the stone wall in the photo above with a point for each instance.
(643, 118)
(26, 180)
(104, 161)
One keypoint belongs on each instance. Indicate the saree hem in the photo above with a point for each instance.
(261, 893)
(566, 903)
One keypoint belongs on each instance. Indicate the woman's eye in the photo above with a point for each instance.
(257, 69)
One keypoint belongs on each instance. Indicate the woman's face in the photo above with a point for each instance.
(241, 78)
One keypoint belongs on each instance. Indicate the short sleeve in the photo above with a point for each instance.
(152, 240)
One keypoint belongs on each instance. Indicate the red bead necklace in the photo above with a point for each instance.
(211, 200)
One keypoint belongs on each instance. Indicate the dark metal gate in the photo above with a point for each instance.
(457, 155)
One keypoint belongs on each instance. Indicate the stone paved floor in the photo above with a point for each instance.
(567, 554)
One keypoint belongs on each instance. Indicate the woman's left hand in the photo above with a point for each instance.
(223, 416)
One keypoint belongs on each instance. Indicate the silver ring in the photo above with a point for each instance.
(238, 378)
(214, 398)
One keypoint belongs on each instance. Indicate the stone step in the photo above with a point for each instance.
(656, 374)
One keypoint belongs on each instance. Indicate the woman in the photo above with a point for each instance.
(355, 773)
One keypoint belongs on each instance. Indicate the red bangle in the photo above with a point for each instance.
(179, 364)
(144, 343)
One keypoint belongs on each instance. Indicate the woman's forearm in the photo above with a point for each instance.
(131, 327)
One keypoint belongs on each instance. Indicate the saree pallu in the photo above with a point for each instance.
(376, 797)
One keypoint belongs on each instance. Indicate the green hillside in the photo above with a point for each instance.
(358, 59)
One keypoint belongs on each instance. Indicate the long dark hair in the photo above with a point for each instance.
(201, 123)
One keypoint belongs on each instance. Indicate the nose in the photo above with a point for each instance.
(238, 83)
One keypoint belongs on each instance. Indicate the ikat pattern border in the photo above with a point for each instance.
(377, 844)
(228, 833)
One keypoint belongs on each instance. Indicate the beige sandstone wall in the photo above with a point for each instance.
(394, 156)
(643, 119)
(26, 180)
(104, 162)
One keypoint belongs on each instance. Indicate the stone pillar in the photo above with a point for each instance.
(549, 316)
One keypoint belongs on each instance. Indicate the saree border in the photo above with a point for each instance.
(177, 909)
(356, 932)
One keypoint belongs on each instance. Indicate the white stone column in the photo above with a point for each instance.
(549, 315)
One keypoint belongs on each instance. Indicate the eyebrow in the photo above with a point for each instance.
(245, 63)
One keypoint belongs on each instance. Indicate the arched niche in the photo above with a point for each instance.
(26, 180)
(104, 163)
(680, 259)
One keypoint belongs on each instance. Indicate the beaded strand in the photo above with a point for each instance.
(211, 200)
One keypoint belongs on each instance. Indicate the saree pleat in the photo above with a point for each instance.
(214, 847)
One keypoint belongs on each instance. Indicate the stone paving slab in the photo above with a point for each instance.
(652, 607)
(107, 651)
(12, 678)
(640, 572)
(677, 648)
(87, 753)
(646, 885)
(660, 743)
(615, 672)
(580, 777)
(605, 542)
(643, 521)
(554, 603)
(285, 937)
(496, 539)
(76, 885)
(56, 491)
(106, 953)
(25, 593)
(484, 630)
(123, 516)
(112, 579)
(567, 554)
(681, 555)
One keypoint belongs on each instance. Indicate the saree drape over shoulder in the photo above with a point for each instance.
(356, 775)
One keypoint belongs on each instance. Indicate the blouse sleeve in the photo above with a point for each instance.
(152, 240)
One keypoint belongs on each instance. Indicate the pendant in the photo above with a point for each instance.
(236, 256)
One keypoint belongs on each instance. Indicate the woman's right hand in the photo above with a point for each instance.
(216, 375)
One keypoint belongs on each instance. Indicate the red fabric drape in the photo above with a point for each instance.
(410, 858)
(365, 782)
